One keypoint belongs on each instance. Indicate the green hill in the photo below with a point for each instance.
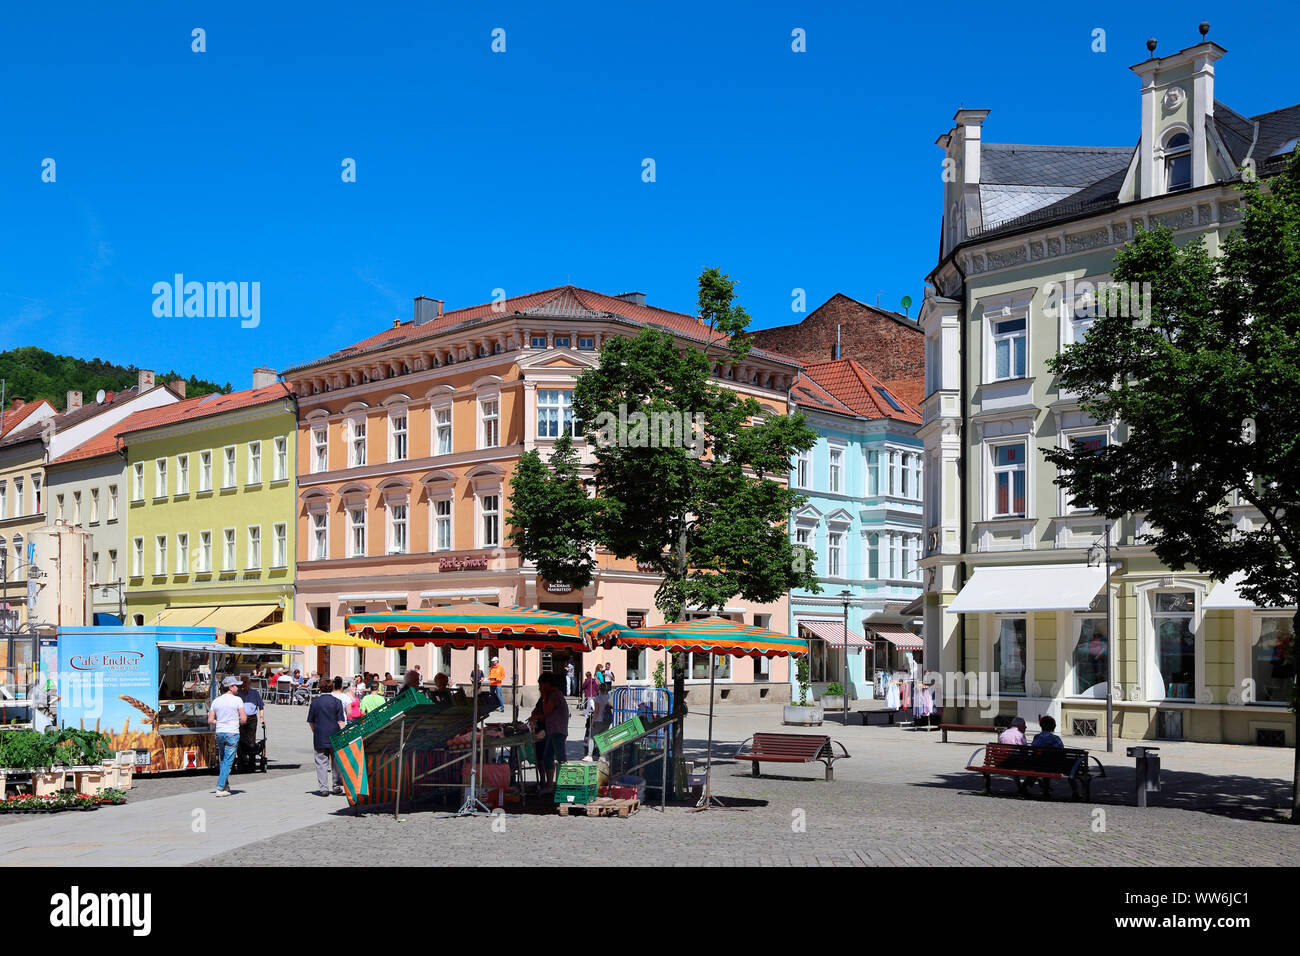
(32, 373)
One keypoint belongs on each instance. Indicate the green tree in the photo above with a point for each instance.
(1207, 386)
(684, 474)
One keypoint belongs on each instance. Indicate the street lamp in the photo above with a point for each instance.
(845, 597)
(118, 586)
(1100, 550)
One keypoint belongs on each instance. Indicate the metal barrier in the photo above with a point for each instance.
(648, 703)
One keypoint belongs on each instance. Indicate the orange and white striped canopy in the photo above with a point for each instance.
(479, 625)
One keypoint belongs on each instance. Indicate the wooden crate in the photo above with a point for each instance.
(602, 807)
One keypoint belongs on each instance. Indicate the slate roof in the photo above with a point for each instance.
(1024, 185)
(568, 302)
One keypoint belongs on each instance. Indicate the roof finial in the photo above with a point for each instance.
(1204, 28)
(1151, 46)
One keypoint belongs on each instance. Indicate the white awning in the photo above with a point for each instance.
(461, 592)
(374, 596)
(1044, 587)
(1225, 596)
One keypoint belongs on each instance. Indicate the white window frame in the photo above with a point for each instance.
(437, 520)
(137, 481)
(1068, 506)
(803, 469)
(20, 503)
(489, 421)
(393, 523)
(229, 467)
(354, 526)
(438, 427)
(320, 447)
(253, 552)
(394, 435)
(137, 557)
(320, 535)
(205, 470)
(160, 555)
(112, 564)
(994, 470)
(182, 474)
(357, 441)
(997, 338)
(835, 468)
(280, 545)
(160, 483)
(254, 463)
(280, 471)
(205, 552)
(836, 554)
(182, 552)
(76, 508)
(229, 550)
(555, 413)
(94, 569)
(112, 502)
(483, 514)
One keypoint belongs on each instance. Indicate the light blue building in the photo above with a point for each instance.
(863, 520)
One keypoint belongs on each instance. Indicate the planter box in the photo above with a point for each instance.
(809, 716)
(45, 782)
(831, 702)
(90, 782)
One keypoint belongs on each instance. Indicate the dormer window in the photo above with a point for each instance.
(1178, 162)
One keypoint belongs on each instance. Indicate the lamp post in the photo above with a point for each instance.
(845, 597)
(1101, 550)
(117, 586)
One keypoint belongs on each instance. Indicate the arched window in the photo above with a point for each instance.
(1178, 162)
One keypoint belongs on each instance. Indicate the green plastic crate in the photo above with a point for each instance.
(577, 774)
(619, 734)
(575, 794)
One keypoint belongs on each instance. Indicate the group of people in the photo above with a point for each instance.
(1046, 736)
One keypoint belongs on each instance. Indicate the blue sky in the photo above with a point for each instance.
(522, 170)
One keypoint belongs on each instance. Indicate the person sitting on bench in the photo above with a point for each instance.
(1015, 734)
(1046, 737)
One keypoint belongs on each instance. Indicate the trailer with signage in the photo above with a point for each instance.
(149, 689)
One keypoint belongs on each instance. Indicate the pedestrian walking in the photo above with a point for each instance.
(497, 674)
(226, 716)
(255, 710)
(570, 679)
(325, 717)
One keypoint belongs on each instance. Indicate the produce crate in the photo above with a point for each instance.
(577, 774)
(619, 734)
(575, 794)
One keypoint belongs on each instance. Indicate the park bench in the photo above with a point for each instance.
(972, 728)
(792, 748)
(1026, 763)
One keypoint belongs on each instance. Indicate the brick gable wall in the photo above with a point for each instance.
(892, 351)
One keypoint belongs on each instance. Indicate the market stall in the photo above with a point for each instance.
(476, 626)
(163, 678)
(712, 636)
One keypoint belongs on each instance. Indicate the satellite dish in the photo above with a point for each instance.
(906, 303)
(99, 397)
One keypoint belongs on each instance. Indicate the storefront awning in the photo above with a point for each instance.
(1226, 596)
(833, 633)
(238, 617)
(1055, 587)
(185, 616)
(897, 635)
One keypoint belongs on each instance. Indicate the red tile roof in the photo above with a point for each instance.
(563, 301)
(108, 442)
(15, 417)
(864, 394)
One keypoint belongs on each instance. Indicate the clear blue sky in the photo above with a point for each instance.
(522, 170)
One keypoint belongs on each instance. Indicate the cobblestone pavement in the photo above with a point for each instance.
(903, 799)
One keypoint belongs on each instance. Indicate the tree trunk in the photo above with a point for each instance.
(1295, 712)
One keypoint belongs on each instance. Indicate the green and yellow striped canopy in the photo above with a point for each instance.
(716, 635)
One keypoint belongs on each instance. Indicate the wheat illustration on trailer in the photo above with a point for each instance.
(160, 758)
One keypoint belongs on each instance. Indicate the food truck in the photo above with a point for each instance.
(149, 688)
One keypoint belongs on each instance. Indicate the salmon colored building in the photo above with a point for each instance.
(406, 444)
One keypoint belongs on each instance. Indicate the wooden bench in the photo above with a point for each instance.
(1026, 763)
(792, 748)
(972, 728)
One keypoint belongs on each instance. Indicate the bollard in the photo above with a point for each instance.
(1147, 772)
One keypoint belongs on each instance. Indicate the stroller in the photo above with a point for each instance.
(250, 757)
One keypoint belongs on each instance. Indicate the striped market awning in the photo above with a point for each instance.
(476, 625)
(832, 632)
(897, 635)
(716, 635)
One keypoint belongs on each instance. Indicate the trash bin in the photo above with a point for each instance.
(1148, 772)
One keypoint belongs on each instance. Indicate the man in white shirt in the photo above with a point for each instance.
(1015, 734)
(227, 716)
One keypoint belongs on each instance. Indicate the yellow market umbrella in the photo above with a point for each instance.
(284, 633)
(342, 638)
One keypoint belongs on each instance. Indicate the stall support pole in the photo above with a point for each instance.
(663, 770)
(514, 684)
(707, 799)
(401, 752)
(472, 804)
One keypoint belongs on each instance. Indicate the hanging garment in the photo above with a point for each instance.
(907, 694)
(893, 699)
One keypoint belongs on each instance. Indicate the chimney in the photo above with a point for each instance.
(145, 381)
(178, 386)
(16, 404)
(263, 377)
(74, 400)
(636, 298)
(961, 176)
(426, 309)
(109, 396)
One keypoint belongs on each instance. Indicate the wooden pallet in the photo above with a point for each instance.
(602, 807)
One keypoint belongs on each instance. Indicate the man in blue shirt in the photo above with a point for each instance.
(1045, 737)
(325, 717)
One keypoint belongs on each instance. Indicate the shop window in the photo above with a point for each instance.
(1175, 644)
(1010, 654)
(1268, 667)
(1091, 650)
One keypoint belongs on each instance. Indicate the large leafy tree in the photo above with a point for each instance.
(685, 473)
(1207, 387)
